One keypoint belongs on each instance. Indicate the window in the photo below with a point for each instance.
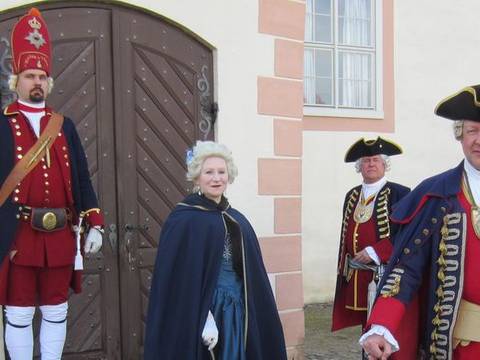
(342, 58)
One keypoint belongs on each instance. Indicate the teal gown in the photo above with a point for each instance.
(228, 309)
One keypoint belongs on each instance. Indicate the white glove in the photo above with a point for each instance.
(210, 332)
(94, 240)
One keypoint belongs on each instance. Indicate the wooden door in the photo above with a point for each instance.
(140, 93)
(165, 82)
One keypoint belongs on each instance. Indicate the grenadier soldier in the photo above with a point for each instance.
(436, 254)
(45, 187)
(366, 234)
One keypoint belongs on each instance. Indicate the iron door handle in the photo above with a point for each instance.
(131, 228)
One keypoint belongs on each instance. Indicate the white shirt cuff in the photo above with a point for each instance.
(382, 331)
(373, 255)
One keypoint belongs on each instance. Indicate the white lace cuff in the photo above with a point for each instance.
(373, 255)
(382, 331)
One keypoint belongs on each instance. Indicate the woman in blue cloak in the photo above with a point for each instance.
(210, 296)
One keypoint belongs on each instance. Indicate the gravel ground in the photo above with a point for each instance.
(321, 343)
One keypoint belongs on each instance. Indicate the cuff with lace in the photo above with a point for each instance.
(382, 331)
(373, 255)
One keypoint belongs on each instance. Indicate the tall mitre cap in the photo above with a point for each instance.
(31, 43)
(362, 148)
(463, 105)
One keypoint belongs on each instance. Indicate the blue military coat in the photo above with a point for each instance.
(429, 251)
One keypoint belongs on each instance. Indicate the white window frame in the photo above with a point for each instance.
(333, 111)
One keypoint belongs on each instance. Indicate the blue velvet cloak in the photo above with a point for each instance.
(185, 275)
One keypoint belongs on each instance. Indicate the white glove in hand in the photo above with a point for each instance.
(210, 332)
(94, 241)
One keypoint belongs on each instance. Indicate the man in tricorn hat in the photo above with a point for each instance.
(437, 252)
(365, 240)
(45, 189)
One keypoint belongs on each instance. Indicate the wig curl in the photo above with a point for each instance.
(207, 149)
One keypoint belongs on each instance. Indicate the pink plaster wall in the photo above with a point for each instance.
(280, 176)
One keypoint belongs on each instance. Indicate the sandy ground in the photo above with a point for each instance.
(321, 343)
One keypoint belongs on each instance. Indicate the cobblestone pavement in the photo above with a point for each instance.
(321, 343)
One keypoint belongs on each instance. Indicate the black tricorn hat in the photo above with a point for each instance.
(377, 146)
(463, 105)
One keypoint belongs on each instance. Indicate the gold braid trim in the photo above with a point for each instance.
(352, 199)
(383, 223)
(87, 212)
(444, 296)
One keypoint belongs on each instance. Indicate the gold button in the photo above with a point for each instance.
(65, 156)
(46, 175)
(64, 148)
(406, 251)
(18, 133)
(44, 167)
(67, 164)
(417, 241)
(19, 156)
(15, 198)
(17, 191)
(17, 126)
(25, 217)
(47, 183)
(18, 216)
(59, 134)
(425, 232)
(47, 192)
(19, 148)
(43, 159)
(14, 121)
(434, 220)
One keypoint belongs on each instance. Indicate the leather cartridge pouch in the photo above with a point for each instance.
(468, 323)
(48, 219)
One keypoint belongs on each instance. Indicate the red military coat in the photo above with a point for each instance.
(350, 305)
(43, 187)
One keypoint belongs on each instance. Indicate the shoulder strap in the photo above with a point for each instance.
(32, 157)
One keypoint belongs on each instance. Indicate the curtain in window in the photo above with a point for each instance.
(309, 21)
(309, 71)
(354, 79)
(355, 68)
